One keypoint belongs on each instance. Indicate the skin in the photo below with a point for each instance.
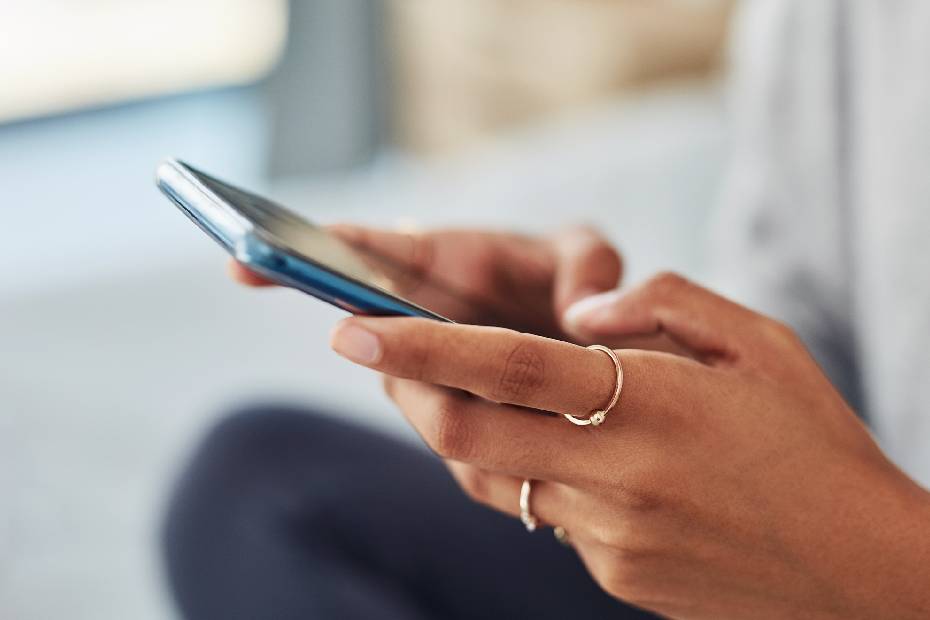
(730, 481)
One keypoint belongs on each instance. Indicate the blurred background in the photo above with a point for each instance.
(122, 341)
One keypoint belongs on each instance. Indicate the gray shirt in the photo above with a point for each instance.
(825, 221)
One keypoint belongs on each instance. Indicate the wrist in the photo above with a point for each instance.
(890, 570)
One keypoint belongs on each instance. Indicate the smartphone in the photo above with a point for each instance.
(284, 247)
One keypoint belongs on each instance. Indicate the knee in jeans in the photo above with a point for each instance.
(257, 438)
(249, 452)
(260, 421)
(250, 457)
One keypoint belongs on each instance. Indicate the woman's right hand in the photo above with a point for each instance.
(504, 279)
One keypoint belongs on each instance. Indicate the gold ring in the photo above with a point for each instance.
(529, 521)
(597, 417)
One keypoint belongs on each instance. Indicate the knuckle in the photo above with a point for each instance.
(624, 580)
(420, 258)
(419, 360)
(643, 543)
(608, 534)
(604, 263)
(639, 490)
(781, 332)
(604, 254)
(485, 261)
(423, 252)
(667, 282)
(451, 436)
(625, 573)
(475, 482)
(642, 499)
(620, 536)
(421, 354)
(522, 373)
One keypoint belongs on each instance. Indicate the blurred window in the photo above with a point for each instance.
(59, 55)
(465, 70)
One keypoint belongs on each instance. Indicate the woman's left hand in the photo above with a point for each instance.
(734, 484)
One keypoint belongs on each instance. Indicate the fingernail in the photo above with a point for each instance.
(590, 310)
(586, 292)
(356, 344)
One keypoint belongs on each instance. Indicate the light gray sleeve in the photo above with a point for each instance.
(779, 242)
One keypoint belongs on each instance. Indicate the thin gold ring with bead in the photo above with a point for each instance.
(598, 416)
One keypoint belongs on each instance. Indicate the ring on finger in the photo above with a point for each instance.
(598, 416)
(529, 521)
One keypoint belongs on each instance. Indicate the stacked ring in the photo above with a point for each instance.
(529, 521)
(596, 418)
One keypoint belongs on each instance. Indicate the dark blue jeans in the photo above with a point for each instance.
(285, 514)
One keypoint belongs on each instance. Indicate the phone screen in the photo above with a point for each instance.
(298, 236)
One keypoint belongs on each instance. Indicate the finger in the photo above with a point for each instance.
(611, 570)
(693, 317)
(586, 264)
(243, 275)
(410, 261)
(408, 253)
(499, 438)
(642, 575)
(498, 364)
(658, 390)
(412, 254)
(551, 503)
(436, 252)
(662, 395)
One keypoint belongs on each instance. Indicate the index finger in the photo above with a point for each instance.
(498, 364)
(502, 365)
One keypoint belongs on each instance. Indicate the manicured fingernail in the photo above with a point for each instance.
(357, 344)
(590, 311)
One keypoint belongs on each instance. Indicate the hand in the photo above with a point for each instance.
(505, 279)
(736, 484)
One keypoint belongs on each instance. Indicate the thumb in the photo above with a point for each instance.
(593, 315)
(694, 318)
(586, 264)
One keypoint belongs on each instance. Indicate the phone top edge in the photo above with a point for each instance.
(266, 254)
(209, 212)
(268, 259)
